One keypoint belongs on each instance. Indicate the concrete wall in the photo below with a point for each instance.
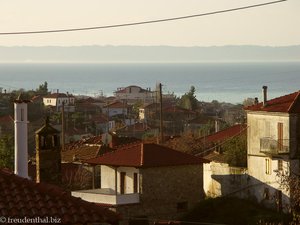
(220, 179)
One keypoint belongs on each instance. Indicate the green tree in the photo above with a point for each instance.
(235, 151)
(7, 152)
(189, 100)
(43, 88)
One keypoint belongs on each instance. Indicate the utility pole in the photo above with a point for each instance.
(161, 115)
(63, 126)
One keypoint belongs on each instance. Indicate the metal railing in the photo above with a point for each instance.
(274, 147)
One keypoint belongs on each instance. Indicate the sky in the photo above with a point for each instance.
(272, 25)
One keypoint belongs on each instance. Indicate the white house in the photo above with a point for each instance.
(135, 93)
(115, 108)
(147, 180)
(58, 99)
(273, 146)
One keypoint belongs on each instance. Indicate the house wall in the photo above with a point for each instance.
(115, 111)
(263, 125)
(167, 192)
(49, 101)
(108, 181)
(263, 168)
(58, 101)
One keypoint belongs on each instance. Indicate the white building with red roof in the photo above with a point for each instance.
(273, 146)
(115, 108)
(147, 180)
(58, 99)
(135, 93)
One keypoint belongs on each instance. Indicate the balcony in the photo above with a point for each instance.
(274, 147)
(107, 196)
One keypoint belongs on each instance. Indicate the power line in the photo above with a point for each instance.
(139, 23)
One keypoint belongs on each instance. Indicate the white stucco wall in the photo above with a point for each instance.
(108, 178)
(58, 101)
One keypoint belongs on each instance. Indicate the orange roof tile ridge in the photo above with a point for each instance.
(294, 101)
(283, 96)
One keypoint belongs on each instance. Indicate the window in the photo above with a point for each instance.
(135, 183)
(122, 182)
(22, 114)
(280, 165)
(268, 166)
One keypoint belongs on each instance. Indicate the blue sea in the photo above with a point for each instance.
(225, 82)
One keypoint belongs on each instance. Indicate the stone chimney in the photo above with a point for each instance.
(21, 137)
(265, 97)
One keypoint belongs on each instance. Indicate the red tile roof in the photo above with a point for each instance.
(58, 95)
(288, 104)
(6, 119)
(145, 155)
(116, 105)
(138, 127)
(225, 134)
(20, 197)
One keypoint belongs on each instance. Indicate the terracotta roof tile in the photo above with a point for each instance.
(21, 197)
(288, 104)
(116, 105)
(224, 134)
(145, 155)
(57, 95)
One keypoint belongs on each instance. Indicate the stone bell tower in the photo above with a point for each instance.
(48, 158)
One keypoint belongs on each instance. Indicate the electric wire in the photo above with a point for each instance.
(140, 22)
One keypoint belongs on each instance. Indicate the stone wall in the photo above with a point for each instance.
(166, 192)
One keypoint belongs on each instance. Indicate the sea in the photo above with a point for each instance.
(225, 82)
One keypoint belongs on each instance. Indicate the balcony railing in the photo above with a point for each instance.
(274, 147)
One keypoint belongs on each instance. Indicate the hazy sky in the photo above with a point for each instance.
(273, 25)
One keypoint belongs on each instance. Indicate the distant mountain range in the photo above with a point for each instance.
(149, 54)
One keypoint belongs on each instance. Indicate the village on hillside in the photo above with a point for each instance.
(144, 157)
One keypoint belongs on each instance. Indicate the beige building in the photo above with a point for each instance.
(273, 146)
